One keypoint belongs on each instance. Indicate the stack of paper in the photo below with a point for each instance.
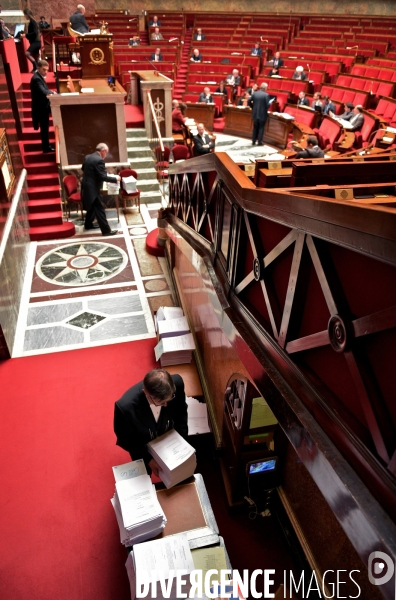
(173, 327)
(138, 512)
(157, 562)
(174, 455)
(197, 417)
(176, 350)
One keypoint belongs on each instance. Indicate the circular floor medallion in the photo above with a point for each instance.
(81, 264)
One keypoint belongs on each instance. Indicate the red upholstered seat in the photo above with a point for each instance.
(135, 196)
(180, 152)
(328, 133)
(73, 196)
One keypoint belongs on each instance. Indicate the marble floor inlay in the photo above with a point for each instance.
(86, 320)
(81, 264)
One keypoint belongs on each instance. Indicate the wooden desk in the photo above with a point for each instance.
(85, 118)
(201, 113)
(276, 131)
(187, 508)
(238, 121)
(274, 178)
(189, 374)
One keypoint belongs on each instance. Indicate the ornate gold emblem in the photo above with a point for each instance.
(97, 55)
(158, 108)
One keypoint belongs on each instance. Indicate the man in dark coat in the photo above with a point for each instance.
(312, 150)
(259, 102)
(41, 107)
(202, 142)
(206, 96)
(78, 21)
(94, 174)
(149, 409)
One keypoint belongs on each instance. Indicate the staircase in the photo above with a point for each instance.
(44, 201)
(141, 160)
(182, 70)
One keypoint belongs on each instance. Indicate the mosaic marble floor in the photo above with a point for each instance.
(89, 290)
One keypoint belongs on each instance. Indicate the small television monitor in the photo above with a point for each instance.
(262, 466)
(19, 28)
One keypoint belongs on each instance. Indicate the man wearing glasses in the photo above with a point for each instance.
(147, 410)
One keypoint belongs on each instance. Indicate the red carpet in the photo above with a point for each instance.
(59, 535)
(134, 116)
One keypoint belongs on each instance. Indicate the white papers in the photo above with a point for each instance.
(129, 470)
(87, 90)
(170, 327)
(197, 417)
(113, 189)
(174, 455)
(138, 512)
(150, 560)
(175, 350)
(129, 184)
(172, 312)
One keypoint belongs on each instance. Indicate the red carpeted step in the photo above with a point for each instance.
(54, 232)
(38, 158)
(44, 219)
(29, 133)
(44, 205)
(42, 181)
(152, 246)
(44, 168)
(43, 192)
(134, 116)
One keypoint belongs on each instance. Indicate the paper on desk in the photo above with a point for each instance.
(171, 552)
(172, 448)
(137, 500)
(172, 312)
(209, 558)
(129, 470)
(197, 417)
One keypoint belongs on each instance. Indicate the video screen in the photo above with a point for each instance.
(262, 466)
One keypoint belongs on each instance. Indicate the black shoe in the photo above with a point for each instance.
(93, 227)
(112, 232)
(49, 149)
(260, 144)
(253, 143)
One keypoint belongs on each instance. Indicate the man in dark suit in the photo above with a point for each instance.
(328, 106)
(302, 100)
(312, 150)
(196, 56)
(259, 102)
(78, 21)
(154, 22)
(277, 61)
(150, 409)
(94, 173)
(156, 56)
(199, 36)
(202, 142)
(256, 51)
(206, 96)
(43, 23)
(348, 112)
(41, 107)
(357, 119)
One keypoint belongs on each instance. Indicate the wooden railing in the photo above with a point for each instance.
(309, 288)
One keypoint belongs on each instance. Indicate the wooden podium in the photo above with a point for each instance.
(160, 88)
(97, 58)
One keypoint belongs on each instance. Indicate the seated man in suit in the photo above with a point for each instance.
(177, 117)
(256, 51)
(222, 90)
(317, 101)
(277, 61)
(234, 78)
(311, 151)
(202, 142)
(43, 23)
(199, 36)
(347, 114)
(299, 74)
(274, 72)
(78, 21)
(156, 56)
(328, 106)
(134, 41)
(156, 35)
(206, 96)
(357, 119)
(244, 101)
(154, 22)
(302, 100)
(196, 56)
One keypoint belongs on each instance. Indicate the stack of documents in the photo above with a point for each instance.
(197, 417)
(138, 512)
(174, 455)
(173, 327)
(176, 350)
(157, 562)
